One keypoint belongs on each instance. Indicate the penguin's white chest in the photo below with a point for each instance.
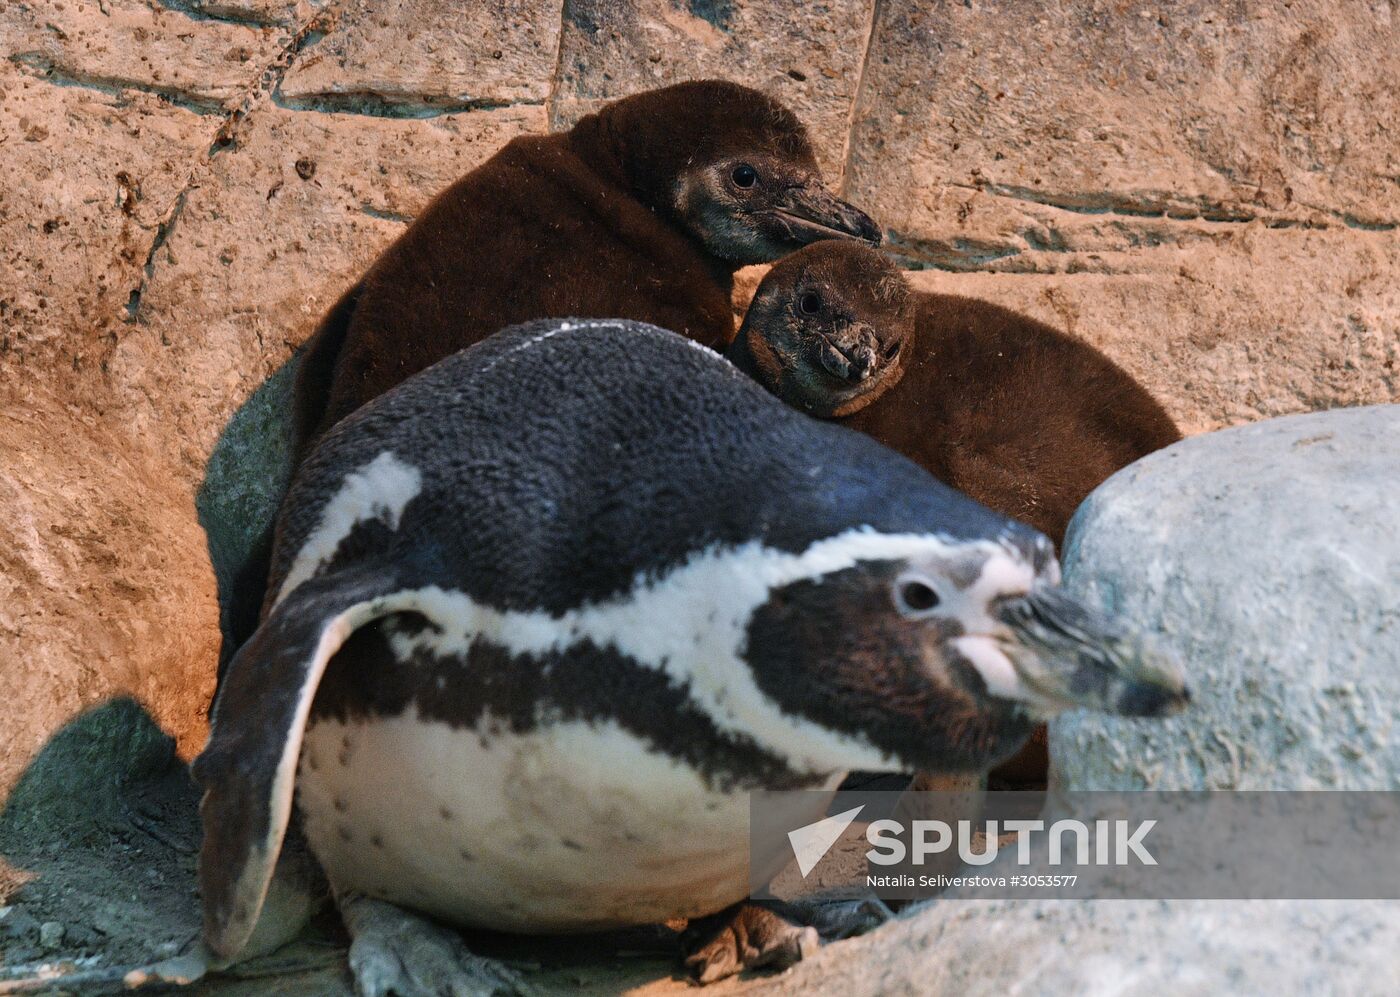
(571, 826)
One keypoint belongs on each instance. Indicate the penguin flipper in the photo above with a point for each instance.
(248, 768)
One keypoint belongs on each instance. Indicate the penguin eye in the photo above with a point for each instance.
(913, 596)
(810, 303)
(744, 176)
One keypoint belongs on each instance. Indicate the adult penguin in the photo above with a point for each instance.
(510, 686)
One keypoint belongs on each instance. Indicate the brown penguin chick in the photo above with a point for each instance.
(827, 332)
(1021, 417)
(642, 211)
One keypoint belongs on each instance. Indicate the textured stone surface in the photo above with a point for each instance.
(811, 58)
(126, 45)
(104, 586)
(1060, 126)
(1269, 556)
(1211, 187)
(412, 57)
(96, 174)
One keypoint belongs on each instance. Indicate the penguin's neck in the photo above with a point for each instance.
(593, 140)
(934, 334)
(741, 355)
(924, 389)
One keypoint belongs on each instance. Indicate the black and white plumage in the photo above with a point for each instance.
(540, 616)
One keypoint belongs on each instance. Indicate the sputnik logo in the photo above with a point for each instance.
(811, 842)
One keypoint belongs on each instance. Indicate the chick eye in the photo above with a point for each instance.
(914, 596)
(744, 176)
(810, 303)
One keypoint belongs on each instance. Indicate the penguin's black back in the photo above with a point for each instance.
(559, 459)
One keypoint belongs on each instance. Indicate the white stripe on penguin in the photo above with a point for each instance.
(378, 490)
(691, 623)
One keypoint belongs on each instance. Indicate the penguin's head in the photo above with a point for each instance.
(828, 329)
(732, 165)
(942, 654)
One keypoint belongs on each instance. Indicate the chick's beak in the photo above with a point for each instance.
(853, 357)
(810, 212)
(1066, 655)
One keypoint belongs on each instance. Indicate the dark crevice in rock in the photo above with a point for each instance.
(1172, 207)
(369, 102)
(581, 15)
(63, 76)
(1145, 204)
(391, 105)
(163, 230)
(961, 255)
(1307, 223)
(385, 215)
(716, 12)
(271, 77)
(958, 255)
(1366, 224)
(1045, 240)
(199, 10)
(551, 104)
(845, 179)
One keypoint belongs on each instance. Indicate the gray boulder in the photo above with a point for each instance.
(1123, 948)
(1269, 556)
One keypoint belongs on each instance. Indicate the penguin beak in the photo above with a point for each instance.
(1066, 655)
(852, 359)
(809, 213)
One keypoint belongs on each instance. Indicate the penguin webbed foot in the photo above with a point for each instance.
(396, 952)
(746, 936)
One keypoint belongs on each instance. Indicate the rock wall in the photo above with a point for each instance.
(1210, 192)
